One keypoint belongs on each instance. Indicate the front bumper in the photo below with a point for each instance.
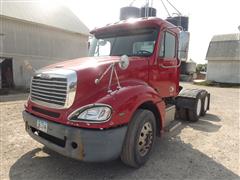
(82, 144)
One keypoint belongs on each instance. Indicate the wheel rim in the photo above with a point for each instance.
(199, 104)
(206, 103)
(145, 139)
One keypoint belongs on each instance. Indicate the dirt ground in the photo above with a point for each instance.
(208, 149)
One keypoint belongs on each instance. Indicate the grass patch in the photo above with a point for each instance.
(217, 84)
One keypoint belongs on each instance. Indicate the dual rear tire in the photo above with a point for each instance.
(205, 105)
(197, 108)
(195, 113)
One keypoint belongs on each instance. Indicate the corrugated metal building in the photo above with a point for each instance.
(224, 59)
(32, 33)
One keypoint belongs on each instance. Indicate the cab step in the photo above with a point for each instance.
(170, 123)
(172, 126)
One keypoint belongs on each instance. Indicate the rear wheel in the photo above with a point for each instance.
(182, 114)
(205, 105)
(194, 114)
(140, 138)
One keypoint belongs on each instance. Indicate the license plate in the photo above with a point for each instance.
(42, 125)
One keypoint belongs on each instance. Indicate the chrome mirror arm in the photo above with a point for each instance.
(113, 71)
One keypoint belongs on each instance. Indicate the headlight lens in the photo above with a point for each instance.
(94, 113)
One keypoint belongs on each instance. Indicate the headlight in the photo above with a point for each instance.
(95, 113)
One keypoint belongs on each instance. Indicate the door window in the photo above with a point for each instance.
(168, 46)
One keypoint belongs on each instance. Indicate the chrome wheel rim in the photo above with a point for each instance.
(199, 104)
(206, 103)
(145, 139)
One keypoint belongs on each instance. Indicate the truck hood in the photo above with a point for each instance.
(84, 63)
(88, 69)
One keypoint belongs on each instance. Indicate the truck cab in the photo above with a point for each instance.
(116, 101)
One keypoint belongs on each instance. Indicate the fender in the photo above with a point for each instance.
(129, 99)
(124, 103)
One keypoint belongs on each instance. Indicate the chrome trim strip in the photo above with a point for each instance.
(51, 85)
(39, 87)
(37, 95)
(43, 103)
(42, 91)
(46, 81)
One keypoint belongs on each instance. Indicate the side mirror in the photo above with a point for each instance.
(184, 38)
(124, 62)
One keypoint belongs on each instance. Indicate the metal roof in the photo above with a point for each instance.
(226, 37)
(224, 47)
(59, 17)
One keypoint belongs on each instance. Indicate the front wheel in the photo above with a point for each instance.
(140, 138)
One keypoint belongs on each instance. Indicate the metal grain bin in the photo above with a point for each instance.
(179, 21)
(129, 12)
(188, 67)
(148, 11)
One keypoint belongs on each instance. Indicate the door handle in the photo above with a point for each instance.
(167, 67)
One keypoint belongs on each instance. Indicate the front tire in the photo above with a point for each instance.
(140, 139)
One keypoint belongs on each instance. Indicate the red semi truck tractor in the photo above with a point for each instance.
(116, 101)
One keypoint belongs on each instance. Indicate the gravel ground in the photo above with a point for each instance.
(208, 149)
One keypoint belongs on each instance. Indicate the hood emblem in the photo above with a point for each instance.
(45, 76)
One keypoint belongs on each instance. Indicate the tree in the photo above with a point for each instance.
(201, 67)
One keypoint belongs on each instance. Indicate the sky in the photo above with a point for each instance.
(206, 17)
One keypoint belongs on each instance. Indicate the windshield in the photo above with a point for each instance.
(132, 43)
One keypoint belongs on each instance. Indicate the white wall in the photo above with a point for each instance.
(223, 71)
(39, 45)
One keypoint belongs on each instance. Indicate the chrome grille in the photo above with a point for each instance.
(53, 88)
(49, 90)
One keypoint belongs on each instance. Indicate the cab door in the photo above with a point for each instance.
(167, 77)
